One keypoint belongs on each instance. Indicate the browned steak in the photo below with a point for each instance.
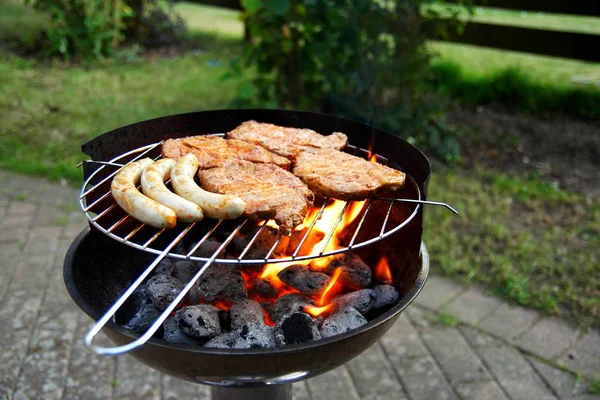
(213, 151)
(269, 191)
(287, 142)
(332, 173)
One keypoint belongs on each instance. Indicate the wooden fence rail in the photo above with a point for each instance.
(581, 46)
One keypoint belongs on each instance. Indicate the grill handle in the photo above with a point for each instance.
(95, 329)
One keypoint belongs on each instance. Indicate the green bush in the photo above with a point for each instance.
(361, 59)
(92, 29)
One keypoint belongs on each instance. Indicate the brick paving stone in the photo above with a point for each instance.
(422, 379)
(584, 356)
(300, 391)
(563, 383)
(478, 339)
(457, 359)
(373, 376)
(507, 321)
(437, 292)
(44, 368)
(472, 305)
(42, 240)
(549, 337)
(483, 390)
(22, 209)
(333, 385)
(421, 318)
(402, 342)
(50, 215)
(134, 380)
(32, 272)
(175, 389)
(17, 318)
(89, 375)
(514, 374)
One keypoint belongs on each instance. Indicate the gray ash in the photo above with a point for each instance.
(362, 300)
(304, 280)
(289, 304)
(386, 295)
(342, 321)
(296, 328)
(221, 282)
(201, 321)
(162, 289)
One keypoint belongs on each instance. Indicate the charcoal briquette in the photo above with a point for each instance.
(304, 280)
(208, 248)
(264, 288)
(145, 316)
(289, 304)
(185, 270)
(362, 300)
(246, 312)
(174, 334)
(356, 274)
(165, 267)
(200, 321)
(342, 321)
(162, 289)
(247, 337)
(221, 282)
(296, 328)
(385, 295)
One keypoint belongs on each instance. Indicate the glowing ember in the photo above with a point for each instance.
(329, 291)
(223, 305)
(382, 270)
(316, 311)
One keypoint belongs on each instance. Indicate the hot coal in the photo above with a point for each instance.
(356, 274)
(264, 288)
(165, 267)
(362, 300)
(145, 316)
(386, 295)
(342, 321)
(246, 313)
(221, 282)
(304, 280)
(162, 289)
(296, 328)
(174, 334)
(289, 304)
(199, 321)
(245, 338)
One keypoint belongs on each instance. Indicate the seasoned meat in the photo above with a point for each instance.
(287, 142)
(213, 151)
(269, 191)
(331, 173)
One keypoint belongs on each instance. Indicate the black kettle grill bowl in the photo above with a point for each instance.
(97, 269)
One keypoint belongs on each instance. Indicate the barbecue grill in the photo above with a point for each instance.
(109, 260)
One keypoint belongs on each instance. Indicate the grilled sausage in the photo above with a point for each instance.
(214, 205)
(153, 186)
(142, 208)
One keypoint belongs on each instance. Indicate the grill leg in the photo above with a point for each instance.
(273, 392)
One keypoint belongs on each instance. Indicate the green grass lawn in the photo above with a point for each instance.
(519, 237)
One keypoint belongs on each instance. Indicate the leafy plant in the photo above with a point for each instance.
(362, 59)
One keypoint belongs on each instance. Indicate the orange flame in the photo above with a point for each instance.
(223, 305)
(316, 311)
(329, 290)
(382, 270)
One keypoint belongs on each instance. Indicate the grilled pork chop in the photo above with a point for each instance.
(213, 151)
(269, 191)
(287, 142)
(332, 173)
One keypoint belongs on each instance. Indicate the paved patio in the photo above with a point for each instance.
(495, 351)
